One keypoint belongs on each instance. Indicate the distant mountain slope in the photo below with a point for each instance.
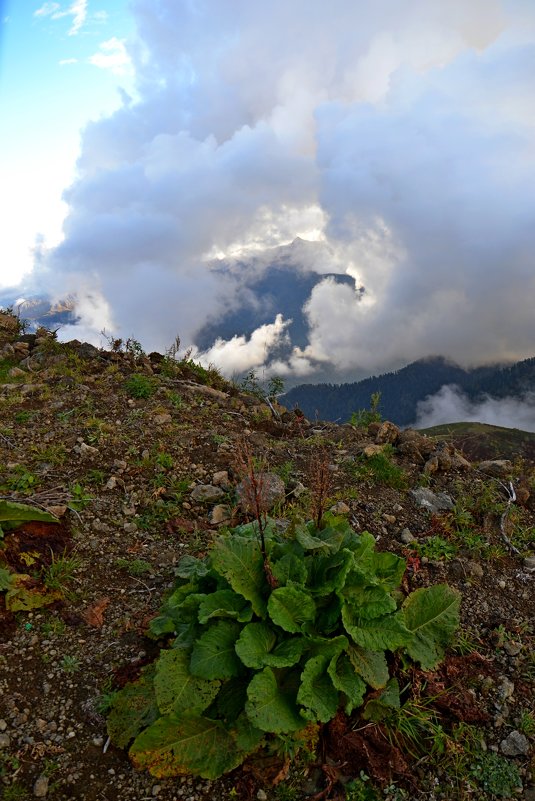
(480, 441)
(402, 390)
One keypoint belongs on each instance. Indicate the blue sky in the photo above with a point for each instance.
(396, 136)
(49, 89)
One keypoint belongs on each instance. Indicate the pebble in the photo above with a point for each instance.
(40, 788)
(156, 788)
(529, 563)
(3, 725)
(5, 741)
(506, 689)
(406, 536)
(512, 648)
(502, 584)
(261, 795)
(515, 744)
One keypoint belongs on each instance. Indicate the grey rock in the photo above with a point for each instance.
(3, 725)
(529, 563)
(406, 536)
(5, 741)
(512, 648)
(206, 493)
(515, 744)
(496, 467)
(432, 501)
(475, 569)
(271, 490)
(40, 788)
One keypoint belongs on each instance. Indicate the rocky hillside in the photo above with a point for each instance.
(138, 458)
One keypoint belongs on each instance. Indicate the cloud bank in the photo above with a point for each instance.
(451, 405)
(397, 136)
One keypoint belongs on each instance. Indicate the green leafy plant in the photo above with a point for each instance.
(21, 480)
(435, 548)
(496, 775)
(70, 664)
(363, 417)
(257, 653)
(140, 386)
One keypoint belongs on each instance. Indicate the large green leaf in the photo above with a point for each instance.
(379, 708)
(290, 607)
(328, 573)
(176, 689)
(192, 567)
(179, 744)
(21, 596)
(363, 550)
(317, 694)
(269, 708)
(15, 512)
(134, 707)
(312, 539)
(240, 561)
(327, 646)
(214, 656)
(432, 617)
(346, 679)
(224, 603)
(231, 698)
(379, 633)
(368, 601)
(290, 568)
(287, 653)
(371, 665)
(388, 569)
(254, 643)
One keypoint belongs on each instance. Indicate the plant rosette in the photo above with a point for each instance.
(248, 661)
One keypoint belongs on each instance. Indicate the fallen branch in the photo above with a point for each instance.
(511, 498)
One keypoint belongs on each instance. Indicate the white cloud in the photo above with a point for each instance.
(239, 354)
(65, 61)
(451, 405)
(77, 10)
(398, 135)
(112, 55)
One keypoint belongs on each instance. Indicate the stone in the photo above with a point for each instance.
(161, 419)
(407, 537)
(40, 788)
(271, 491)
(206, 493)
(340, 508)
(432, 501)
(86, 450)
(512, 648)
(506, 689)
(16, 372)
(496, 467)
(221, 479)
(372, 450)
(261, 795)
(432, 465)
(529, 563)
(5, 740)
(220, 514)
(515, 744)
(388, 433)
(475, 569)
(391, 519)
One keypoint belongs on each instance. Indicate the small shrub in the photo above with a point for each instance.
(363, 417)
(140, 386)
(61, 571)
(261, 652)
(435, 548)
(496, 775)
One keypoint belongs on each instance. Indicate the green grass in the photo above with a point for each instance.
(61, 571)
(435, 548)
(134, 567)
(140, 386)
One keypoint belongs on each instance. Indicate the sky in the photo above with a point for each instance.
(146, 143)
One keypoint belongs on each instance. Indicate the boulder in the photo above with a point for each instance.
(496, 467)
(271, 490)
(388, 433)
(432, 501)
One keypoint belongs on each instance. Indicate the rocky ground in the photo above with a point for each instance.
(138, 458)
